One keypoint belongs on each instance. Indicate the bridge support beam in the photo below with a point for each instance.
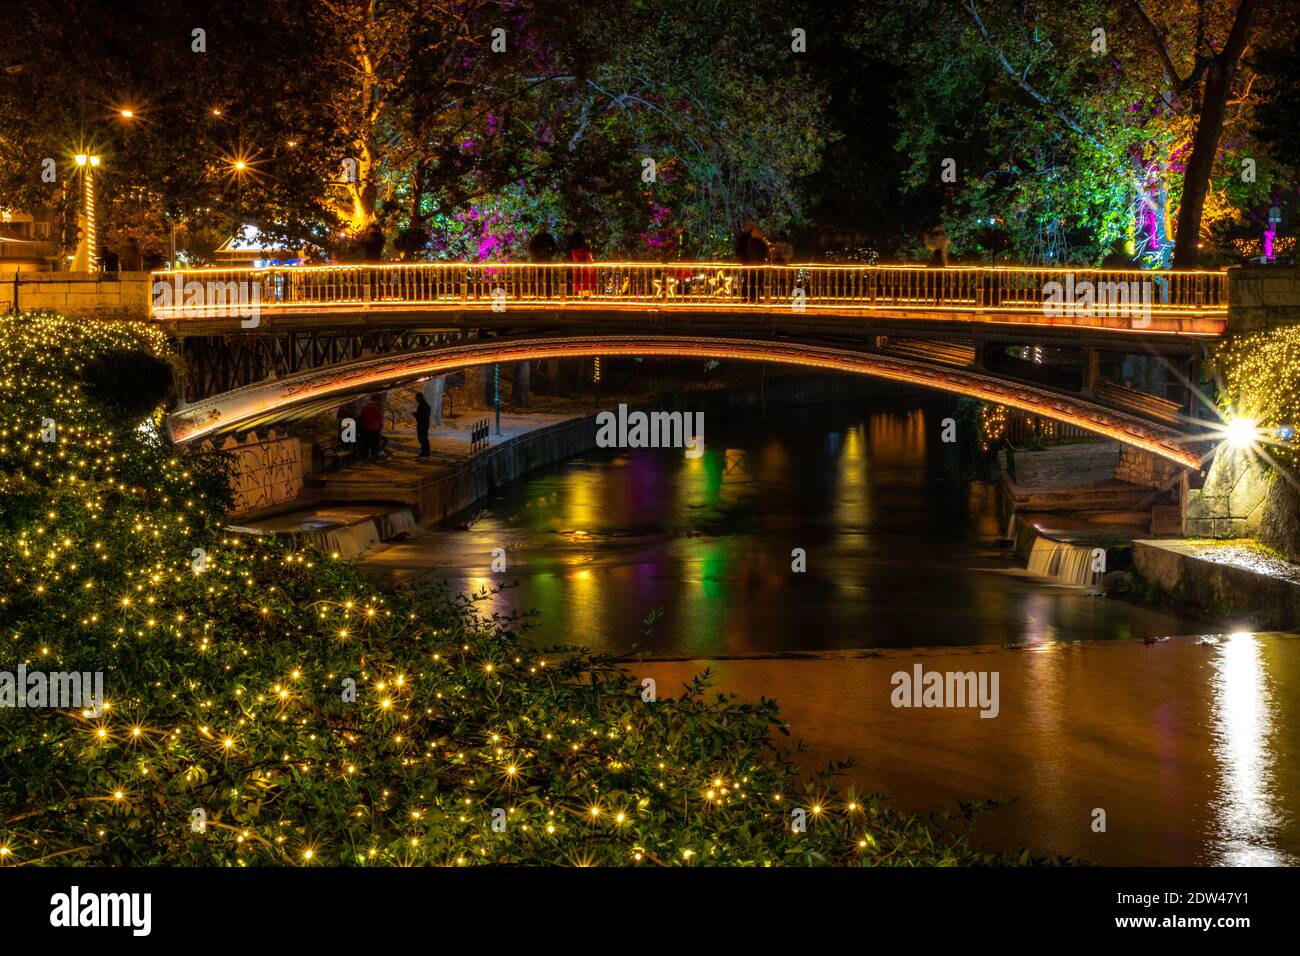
(434, 390)
(247, 407)
(1091, 371)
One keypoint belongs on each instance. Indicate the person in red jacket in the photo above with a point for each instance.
(372, 426)
(584, 283)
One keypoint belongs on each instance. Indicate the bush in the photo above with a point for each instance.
(228, 737)
(131, 383)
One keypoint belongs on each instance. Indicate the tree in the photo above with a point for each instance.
(1080, 134)
(200, 104)
(1219, 66)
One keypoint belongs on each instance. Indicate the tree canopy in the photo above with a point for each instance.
(1077, 132)
(1085, 129)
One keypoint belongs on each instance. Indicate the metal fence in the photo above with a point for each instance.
(201, 293)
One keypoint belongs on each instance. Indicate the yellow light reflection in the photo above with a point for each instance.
(1248, 816)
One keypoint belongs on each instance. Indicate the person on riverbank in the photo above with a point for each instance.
(372, 428)
(422, 412)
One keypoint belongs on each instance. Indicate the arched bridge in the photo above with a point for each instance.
(265, 344)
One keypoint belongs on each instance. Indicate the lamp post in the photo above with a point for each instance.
(1270, 234)
(238, 168)
(496, 371)
(87, 255)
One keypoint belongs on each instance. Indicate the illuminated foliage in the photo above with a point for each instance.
(225, 690)
(1068, 151)
(1261, 379)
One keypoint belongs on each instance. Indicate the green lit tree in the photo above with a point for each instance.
(1082, 127)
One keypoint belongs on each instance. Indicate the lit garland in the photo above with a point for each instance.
(224, 690)
(1261, 378)
(993, 425)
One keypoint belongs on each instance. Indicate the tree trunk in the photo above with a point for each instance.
(434, 389)
(1205, 145)
(522, 376)
(478, 387)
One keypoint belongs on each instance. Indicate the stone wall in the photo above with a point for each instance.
(1142, 468)
(1250, 599)
(85, 294)
(268, 471)
(1239, 500)
(1280, 527)
(1231, 502)
(1262, 297)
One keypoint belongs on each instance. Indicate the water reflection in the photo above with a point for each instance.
(1185, 747)
(1244, 731)
(895, 556)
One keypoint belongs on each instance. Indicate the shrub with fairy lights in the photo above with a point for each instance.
(228, 733)
(1261, 386)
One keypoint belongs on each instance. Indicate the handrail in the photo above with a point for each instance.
(1051, 291)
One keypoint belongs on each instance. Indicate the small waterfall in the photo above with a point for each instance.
(1011, 529)
(1066, 563)
(349, 541)
(397, 523)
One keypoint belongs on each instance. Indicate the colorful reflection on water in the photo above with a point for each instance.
(895, 556)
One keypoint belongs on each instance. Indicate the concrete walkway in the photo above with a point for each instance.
(396, 476)
(1078, 479)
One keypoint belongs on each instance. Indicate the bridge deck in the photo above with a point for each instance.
(1145, 302)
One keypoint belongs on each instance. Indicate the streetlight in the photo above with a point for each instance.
(1242, 432)
(87, 256)
(238, 169)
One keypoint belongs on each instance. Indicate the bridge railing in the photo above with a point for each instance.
(200, 293)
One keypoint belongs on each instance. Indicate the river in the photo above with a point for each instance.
(1185, 746)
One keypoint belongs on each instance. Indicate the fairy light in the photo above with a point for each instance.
(207, 707)
(1261, 394)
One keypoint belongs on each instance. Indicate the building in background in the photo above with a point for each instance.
(27, 241)
(249, 248)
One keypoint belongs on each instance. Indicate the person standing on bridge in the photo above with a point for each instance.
(372, 242)
(542, 248)
(782, 249)
(372, 250)
(937, 241)
(422, 412)
(751, 250)
(584, 283)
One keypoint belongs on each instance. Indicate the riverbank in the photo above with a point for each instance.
(1236, 580)
(350, 510)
